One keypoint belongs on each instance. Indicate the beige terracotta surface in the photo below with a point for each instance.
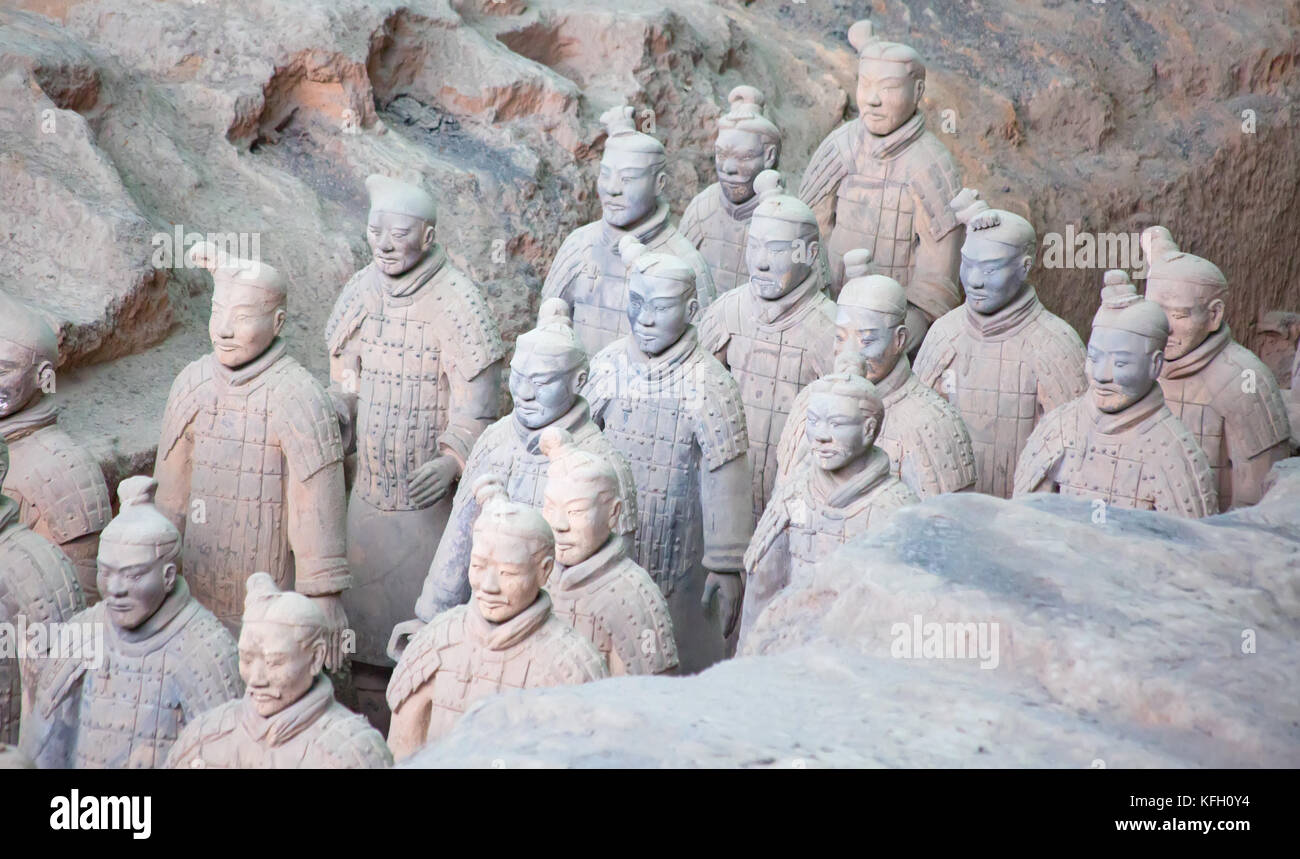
(162, 658)
(288, 717)
(596, 588)
(59, 488)
(1120, 444)
(38, 584)
(677, 415)
(506, 638)
(415, 355)
(928, 444)
(250, 461)
(1002, 358)
(1218, 388)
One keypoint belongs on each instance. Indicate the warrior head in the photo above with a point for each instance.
(870, 316)
(747, 143)
(1127, 345)
(1192, 291)
(249, 300)
(661, 298)
(581, 501)
(997, 255)
(401, 224)
(783, 244)
(843, 417)
(282, 644)
(549, 367)
(138, 552)
(28, 352)
(632, 170)
(891, 80)
(511, 555)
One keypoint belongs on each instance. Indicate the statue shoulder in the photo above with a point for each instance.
(565, 657)
(304, 419)
(423, 655)
(719, 410)
(642, 628)
(64, 483)
(208, 728)
(465, 322)
(1045, 447)
(935, 180)
(569, 260)
(1187, 485)
(190, 389)
(350, 309)
(1247, 395)
(205, 661)
(345, 740)
(831, 161)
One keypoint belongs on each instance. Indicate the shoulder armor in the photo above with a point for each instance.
(350, 310)
(306, 424)
(719, 411)
(1254, 420)
(349, 741)
(939, 349)
(1043, 449)
(603, 379)
(467, 321)
(720, 320)
(935, 180)
(569, 658)
(63, 483)
(188, 392)
(209, 726)
(36, 579)
(773, 522)
(568, 262)
(1059, 357)
(697, 212)
(423, 655)
(206, 671)
(937, 436)
(831, 162)
(1188, 487)
(637, 600)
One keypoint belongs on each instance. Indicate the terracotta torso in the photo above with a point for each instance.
(928, 445)
(59, 488)
(460, 658)
(511, 451)
(1007, 370)
(153, 682)
(1141, 458)
(774, 349)
(314, 732)
(589, 274)
(1231, 403)
(616, 606)
(720, 229)
(38, 583)
(252, 433)
(887, 190)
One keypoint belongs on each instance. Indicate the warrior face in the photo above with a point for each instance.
(878, 337)
(629, 186)
(506, 571)
(21, 376)
(993, 273)
(134, 582)
(279, 663)
(582, 514)
(780, 255)
(739, 156)
(1122, 367)
(543, 386)
(838, 432)
(659, 311)
(244, 322)
(887, 95)
(397, 242)
(1194, 312)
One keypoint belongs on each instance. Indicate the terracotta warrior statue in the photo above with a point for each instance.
(288, 718)
(717, 220)
(1119, 442)
(415, 356)
(1002, 359)
(928, 445)
(38, 584)
(547, 372)
(846, 487)
(1218, 388)
(507, 637)
(587, 271)
(677, 415)
(883, 182)
(59, 488)
(165, 658)
(777, 333)
(596, 588)
(250, 461)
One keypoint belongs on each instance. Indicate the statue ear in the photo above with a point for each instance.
(692, 308)
(169, 578)
(318, 655)
(869, 428)
(811, 250)
(661, 182)
(1217, 310)
(900, 337)
(426, 241)
(1027, 263)
(920, 90)
(45, 376)
(548, 564)
(769, 156)
(280, 316)
(615, 511)
(579, 380)
(1157, 362)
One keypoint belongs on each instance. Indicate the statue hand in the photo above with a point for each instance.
(433, 480)
(730, 590)
(332, 607)
(401, 636)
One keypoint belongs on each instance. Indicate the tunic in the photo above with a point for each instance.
(719, 229)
